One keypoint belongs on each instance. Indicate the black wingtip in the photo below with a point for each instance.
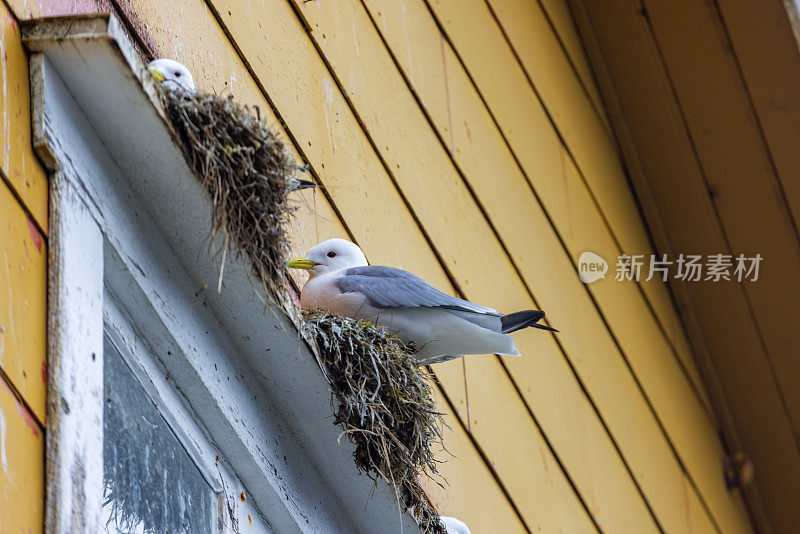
(304, 184)
(516, 321)
(544, 327)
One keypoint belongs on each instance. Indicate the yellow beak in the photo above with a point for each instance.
(159, 77)
(302, 263)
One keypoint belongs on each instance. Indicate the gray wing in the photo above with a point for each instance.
(387, 287)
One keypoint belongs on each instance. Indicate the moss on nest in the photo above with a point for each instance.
(385, 405)
(247, 172)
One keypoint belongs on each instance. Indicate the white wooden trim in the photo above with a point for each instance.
(75, 365)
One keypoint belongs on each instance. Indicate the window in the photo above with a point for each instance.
(150, 482)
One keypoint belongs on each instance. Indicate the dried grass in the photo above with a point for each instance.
(385, 406)
(248, 174)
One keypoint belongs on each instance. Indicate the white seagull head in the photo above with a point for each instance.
(330, 256)
(171, 74)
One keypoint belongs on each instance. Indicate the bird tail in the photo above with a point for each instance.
(516, 321)
(304, 184)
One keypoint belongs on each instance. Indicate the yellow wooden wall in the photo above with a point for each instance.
(23, 297)
(463, 140)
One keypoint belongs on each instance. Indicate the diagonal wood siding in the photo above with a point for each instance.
(23, 296)
(702, 95)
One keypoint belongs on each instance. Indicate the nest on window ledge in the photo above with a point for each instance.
(248, 174)
(385, 406)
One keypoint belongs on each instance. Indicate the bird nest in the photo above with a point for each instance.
(385, 406)
(247, 172)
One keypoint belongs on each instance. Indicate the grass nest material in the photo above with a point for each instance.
(247, 172)
(385, 406)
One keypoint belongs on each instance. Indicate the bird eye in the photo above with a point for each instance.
(331, 254)
(177, 74)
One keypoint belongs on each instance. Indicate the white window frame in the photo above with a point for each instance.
(130, 258)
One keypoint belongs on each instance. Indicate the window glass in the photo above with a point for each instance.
(151, 483)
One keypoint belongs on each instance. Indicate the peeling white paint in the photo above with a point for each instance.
(10, 298)
(3, 457)
(403, 10)
(6, 114)
(355, 38)
(328, 88)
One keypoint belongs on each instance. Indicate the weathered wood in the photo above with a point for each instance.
(21, 466)
(23, 303)
(741, 174)
(560, 17)
(531, 39)
(75, 365)
(673, 175)
(18, 162)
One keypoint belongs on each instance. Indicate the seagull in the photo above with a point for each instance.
(441, 327)
(453, 525)
(171, 74)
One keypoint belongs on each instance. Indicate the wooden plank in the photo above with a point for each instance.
(470, 493)
(517, 452)
(590, 458)
(560, 19)
(31, 9)
(767, 53)
(75, 365)
(655, 122)
(479, 40)
(567, 419)
(699, 522)
(525, 130)
(21, 466)
(19, 164)
(740, 173)
(697, 442)
(23, 303)
(525, 25)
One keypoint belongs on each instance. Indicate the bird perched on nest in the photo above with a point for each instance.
(453, 525)
(171, 74)
(441, 327)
